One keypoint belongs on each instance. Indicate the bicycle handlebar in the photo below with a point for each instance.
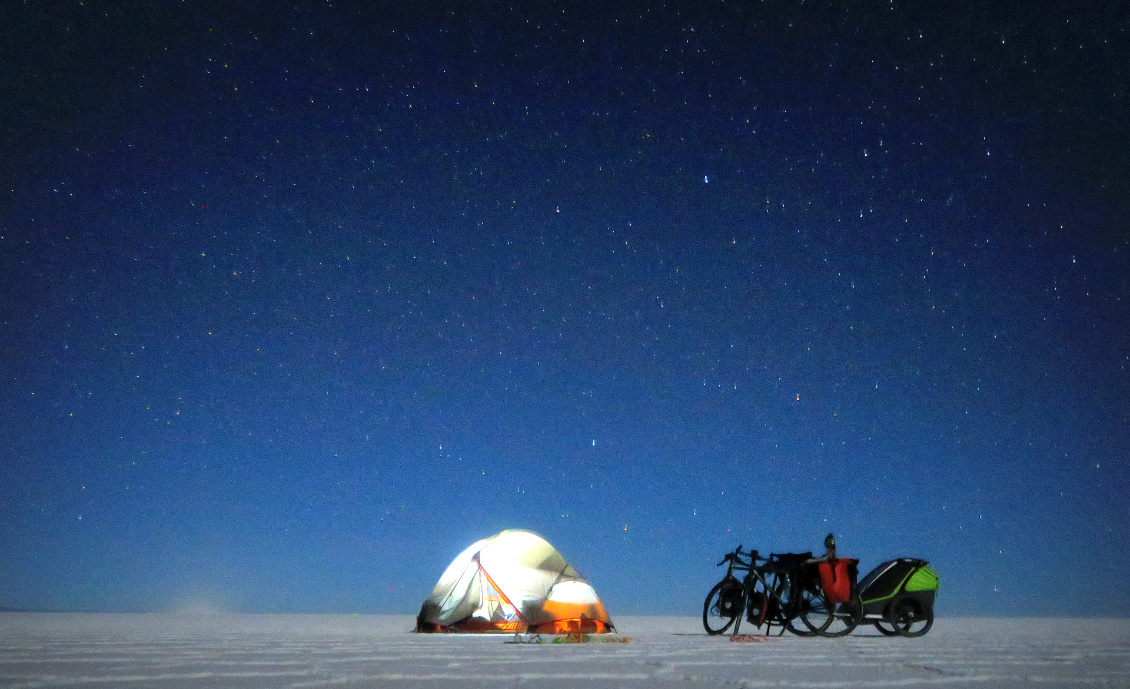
(736, 557)
(729, 556)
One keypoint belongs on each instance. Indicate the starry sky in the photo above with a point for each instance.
(299, 300)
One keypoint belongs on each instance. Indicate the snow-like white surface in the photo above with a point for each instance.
(210, 651)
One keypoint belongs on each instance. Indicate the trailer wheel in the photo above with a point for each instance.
(910, 617)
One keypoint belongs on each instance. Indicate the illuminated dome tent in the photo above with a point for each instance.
(512, 582)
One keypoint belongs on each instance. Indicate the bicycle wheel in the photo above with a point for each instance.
(845, 617)
(910, 617)
(717, 618)
(813, 612)
(885, 630)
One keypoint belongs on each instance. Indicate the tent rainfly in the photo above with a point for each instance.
(513, 582)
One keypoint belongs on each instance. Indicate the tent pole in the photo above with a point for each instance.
(501, 593)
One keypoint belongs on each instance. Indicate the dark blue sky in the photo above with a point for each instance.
(297, 302)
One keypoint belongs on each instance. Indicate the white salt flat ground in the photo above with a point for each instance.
(210, 651)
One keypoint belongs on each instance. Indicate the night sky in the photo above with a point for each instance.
(299, 300)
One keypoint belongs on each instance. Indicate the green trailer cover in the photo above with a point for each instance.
(923, 580)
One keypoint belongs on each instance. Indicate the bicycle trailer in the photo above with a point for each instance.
(898, 596)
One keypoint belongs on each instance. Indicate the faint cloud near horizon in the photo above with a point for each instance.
(200, 605)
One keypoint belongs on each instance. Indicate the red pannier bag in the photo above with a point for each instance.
(836, 577)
